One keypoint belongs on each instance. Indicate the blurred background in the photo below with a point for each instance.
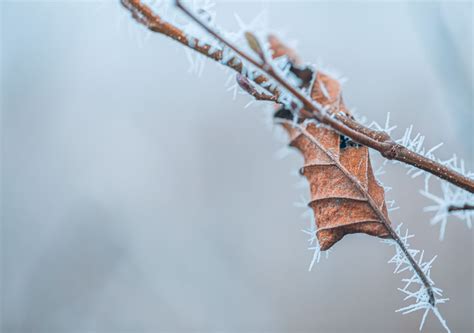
(137, 197)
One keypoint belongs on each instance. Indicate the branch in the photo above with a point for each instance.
(344, 125)
(453, 208)
(144, 15)
(341, 123)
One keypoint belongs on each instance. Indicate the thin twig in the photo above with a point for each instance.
(453, 208)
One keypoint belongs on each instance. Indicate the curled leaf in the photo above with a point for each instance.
(345, 196)
(342, 184)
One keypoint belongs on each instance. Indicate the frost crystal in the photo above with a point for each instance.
(313, 243)
(414, 289)
(451, 196)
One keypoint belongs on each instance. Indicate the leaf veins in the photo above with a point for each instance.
(345, 196)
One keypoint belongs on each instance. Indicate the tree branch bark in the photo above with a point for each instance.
(376, 140)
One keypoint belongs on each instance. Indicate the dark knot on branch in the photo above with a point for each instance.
(393, 151)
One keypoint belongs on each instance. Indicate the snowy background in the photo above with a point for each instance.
(137, 197)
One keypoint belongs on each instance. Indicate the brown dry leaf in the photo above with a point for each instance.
(339, 206)
(280, 49)
(345, 196)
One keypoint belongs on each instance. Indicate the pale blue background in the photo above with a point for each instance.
(139, 198)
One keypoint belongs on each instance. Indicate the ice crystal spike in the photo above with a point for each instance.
(414, 289)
